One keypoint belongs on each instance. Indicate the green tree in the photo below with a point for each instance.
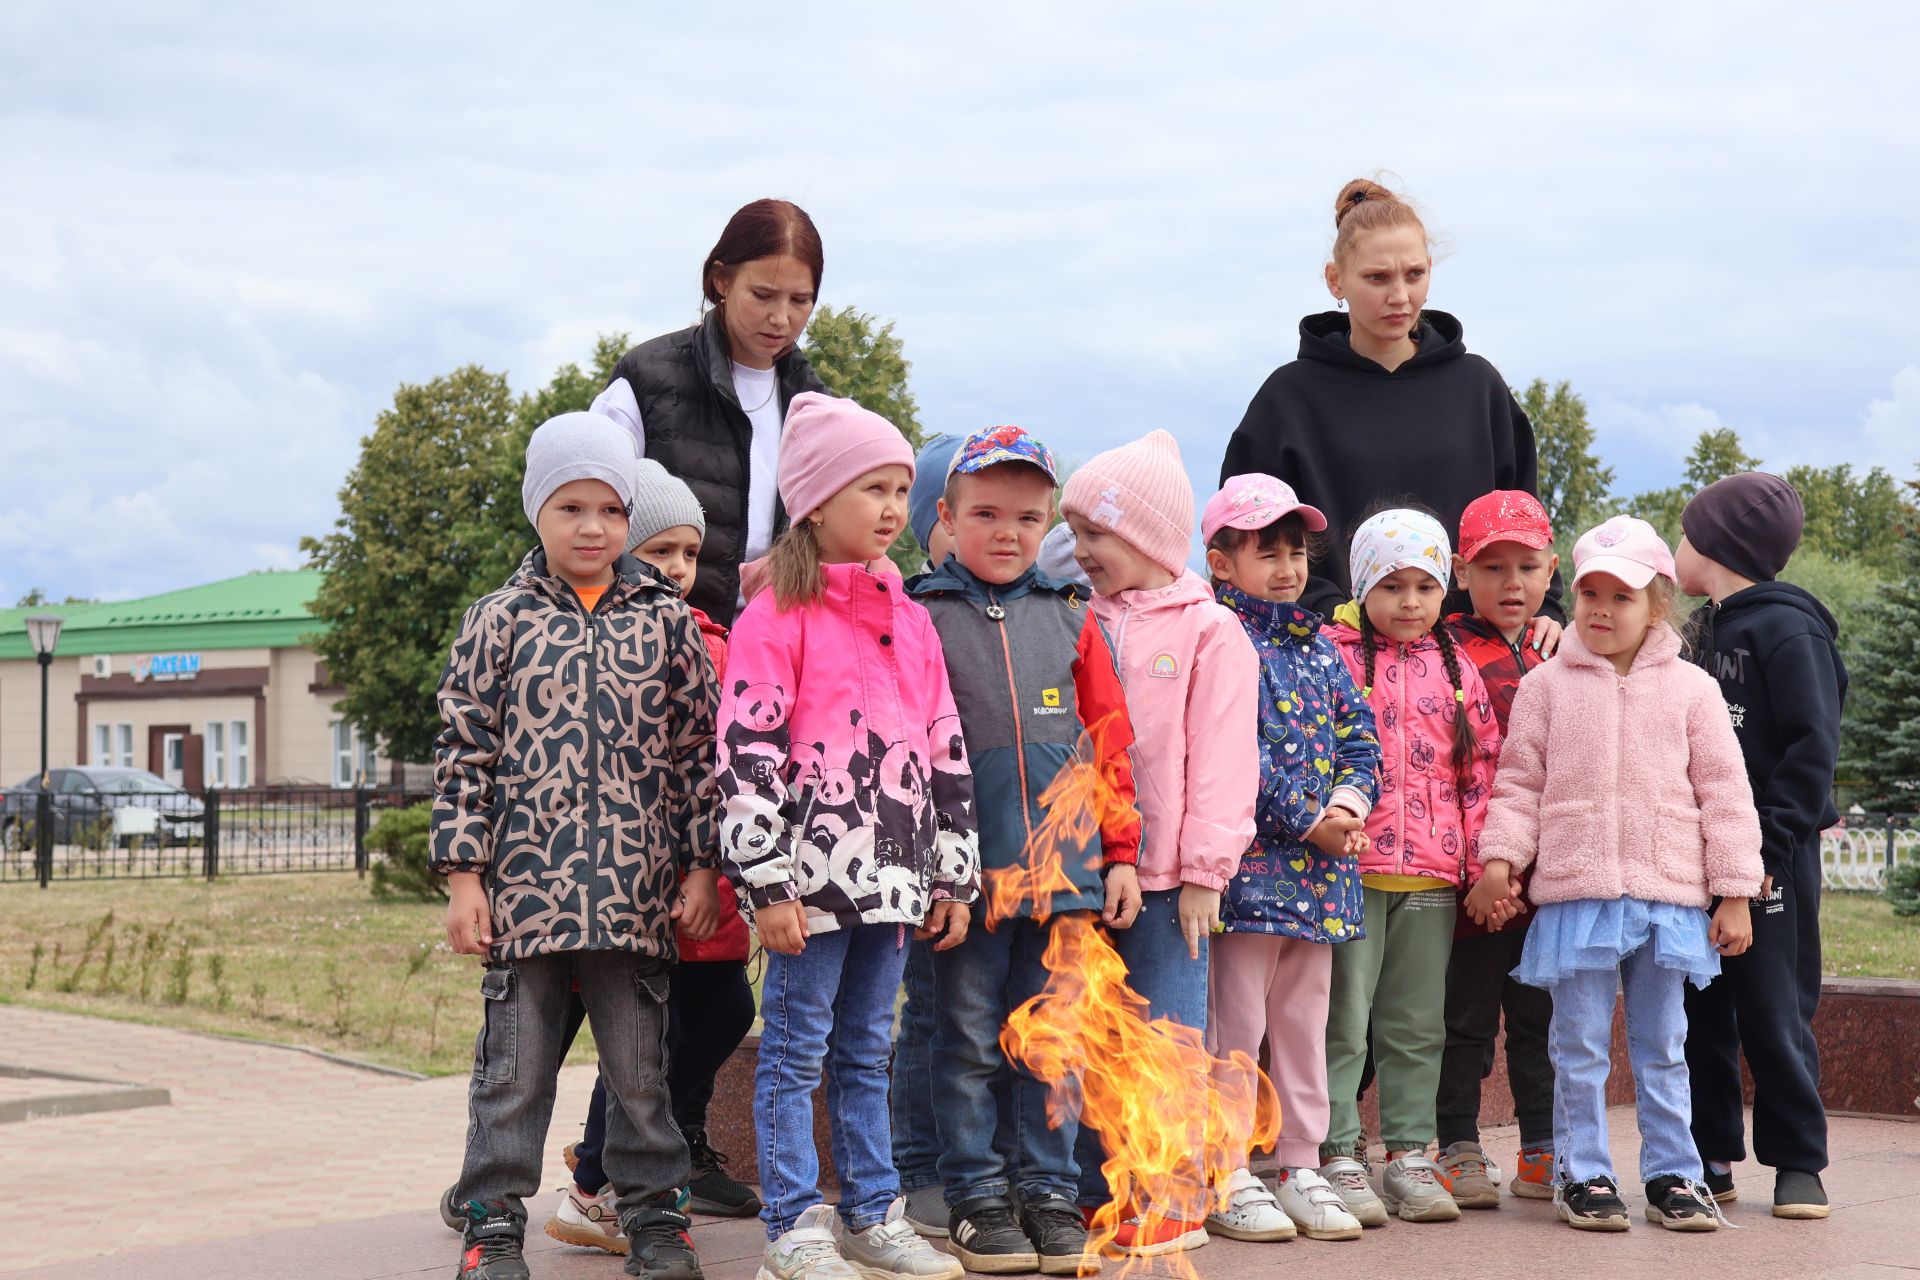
(1852, 516)
(862, 359)
(1880, 743)
(1716, 455)
(1574, 487)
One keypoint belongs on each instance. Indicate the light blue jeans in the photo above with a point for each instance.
(832, 1004)
(1579, 1040)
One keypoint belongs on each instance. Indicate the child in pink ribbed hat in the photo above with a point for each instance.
(1192, 682)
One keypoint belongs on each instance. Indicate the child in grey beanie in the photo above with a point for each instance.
(661, 501)
(576, 446)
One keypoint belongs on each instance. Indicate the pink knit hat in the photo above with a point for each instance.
(1140, 491)
(829, 443)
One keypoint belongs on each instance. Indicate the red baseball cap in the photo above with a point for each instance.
(1505, 515)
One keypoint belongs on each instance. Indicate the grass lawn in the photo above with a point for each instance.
(1862, 938)
(305, 959)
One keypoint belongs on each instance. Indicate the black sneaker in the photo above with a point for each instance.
(1680, 1205)
(712, 1189)
(1593, 1205)
(1798, 1194)
(659, 1243)
(1720, 1186)
(450, 1212)
(985, 1237)
(1059, 1236)
(493, 1243)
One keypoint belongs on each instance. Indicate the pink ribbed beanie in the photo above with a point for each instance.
(827, 444)
(1139, 491)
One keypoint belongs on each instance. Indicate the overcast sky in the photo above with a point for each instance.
(228, 233)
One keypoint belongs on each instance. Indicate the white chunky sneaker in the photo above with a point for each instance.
(1411, 1188)
(892, 1248)
(1315, 1207)
(808, 1251)
(1251, 1211)
(1348, 1178)
(588, 1221)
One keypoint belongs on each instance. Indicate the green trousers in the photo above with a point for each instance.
(1397, 976)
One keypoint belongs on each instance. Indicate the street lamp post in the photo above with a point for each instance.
(43, 630)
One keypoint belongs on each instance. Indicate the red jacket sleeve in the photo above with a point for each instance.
(1103, 710)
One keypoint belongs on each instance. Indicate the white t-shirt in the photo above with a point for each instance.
(759, 395)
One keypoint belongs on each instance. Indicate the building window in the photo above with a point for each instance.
(216, 754)
(102, 745)
(124, 733)
(239, 761)
(354, 759)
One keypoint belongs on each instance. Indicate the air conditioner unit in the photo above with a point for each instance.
(102, 665)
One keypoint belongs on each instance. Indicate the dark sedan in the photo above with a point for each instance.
(96, 805)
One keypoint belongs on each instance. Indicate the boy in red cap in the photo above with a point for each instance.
(1505, 564)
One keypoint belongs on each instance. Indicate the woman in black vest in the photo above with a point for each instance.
(708, 402)
(1385, 402)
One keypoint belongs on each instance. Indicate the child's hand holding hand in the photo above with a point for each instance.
(1732, 930)
(697, 909)
(1495, 887)
(1333, 834)
(469, 917)
(1199, 915)
(1123, 896)
(782, 927)
(947, 923)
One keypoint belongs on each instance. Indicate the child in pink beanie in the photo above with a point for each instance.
(1192, 681)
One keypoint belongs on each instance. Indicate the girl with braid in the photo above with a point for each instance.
(1438, 746)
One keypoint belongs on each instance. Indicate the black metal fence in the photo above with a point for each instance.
(54, 836)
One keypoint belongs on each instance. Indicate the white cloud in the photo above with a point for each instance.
(1890, 435)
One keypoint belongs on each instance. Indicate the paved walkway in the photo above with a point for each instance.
(272, 1164)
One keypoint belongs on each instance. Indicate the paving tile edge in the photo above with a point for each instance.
(338, 1059)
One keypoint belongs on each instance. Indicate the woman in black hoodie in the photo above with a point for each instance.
(1384, 401)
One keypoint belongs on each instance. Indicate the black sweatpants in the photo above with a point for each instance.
(1763, 1002)
(1479, 990)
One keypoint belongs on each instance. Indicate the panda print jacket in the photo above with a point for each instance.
(843, 772)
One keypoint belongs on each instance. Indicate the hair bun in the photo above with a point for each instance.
(1357, 193)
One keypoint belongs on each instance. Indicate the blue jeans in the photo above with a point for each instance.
(832, 1004)
(1173, 985)
(916, 1144)
(979, 983)
(1578, 1040)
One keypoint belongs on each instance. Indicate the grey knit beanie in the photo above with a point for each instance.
(576, 446)
(661, 501)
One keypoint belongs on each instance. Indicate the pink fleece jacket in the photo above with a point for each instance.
(1424, 823)
(1629, 786)
(1193, 684)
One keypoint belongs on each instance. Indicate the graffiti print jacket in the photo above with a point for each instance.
(1317, 746)
(1037, 690)
(842, 764)
(574, 766)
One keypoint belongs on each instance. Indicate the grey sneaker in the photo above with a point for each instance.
(891, 1248)
(927, 1211)
(807, 1252)
(1411, 1188)
(1469, 1179)
(1348, 1178)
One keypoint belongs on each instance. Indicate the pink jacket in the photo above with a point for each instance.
(1628, 786)
(842, 765)
(1193, 691)
(1423, 824)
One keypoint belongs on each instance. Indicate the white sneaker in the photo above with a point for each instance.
(892, 1248)
(808, 1251)
(1315, 1207)
(588, 1221)
(1348, 1178)
(1411, 1188)
(1251, 1212)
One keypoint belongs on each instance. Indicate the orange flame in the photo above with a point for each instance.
(1175, 1120)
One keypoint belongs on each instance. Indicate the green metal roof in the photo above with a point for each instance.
(262, 610)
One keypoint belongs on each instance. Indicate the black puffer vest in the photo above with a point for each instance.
(696, 429)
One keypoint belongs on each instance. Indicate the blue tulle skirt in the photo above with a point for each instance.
(1590, 934)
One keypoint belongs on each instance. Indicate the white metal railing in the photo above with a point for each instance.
(1858, 856)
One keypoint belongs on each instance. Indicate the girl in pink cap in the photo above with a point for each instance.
(1622, 791)
(848, 825)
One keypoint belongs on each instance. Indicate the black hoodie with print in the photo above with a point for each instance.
(1442, 429)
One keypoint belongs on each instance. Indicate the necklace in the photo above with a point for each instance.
(773, 385)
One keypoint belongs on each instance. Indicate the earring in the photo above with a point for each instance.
(1340, 304)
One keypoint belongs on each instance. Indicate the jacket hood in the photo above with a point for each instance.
(1327, 338)
(1762, 594)
(1271, 616)
(629, 573)
(952, 576)
(1662, 645)
(1184, 590)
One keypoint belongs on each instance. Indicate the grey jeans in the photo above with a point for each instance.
(517, 1056)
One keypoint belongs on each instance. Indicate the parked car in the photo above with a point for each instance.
(98, 806)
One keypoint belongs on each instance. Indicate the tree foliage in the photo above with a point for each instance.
(1881, 741)
(863, 360)
(1853, 516)
(1575, 488)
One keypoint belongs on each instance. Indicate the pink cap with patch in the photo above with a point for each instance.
(1625, 547)
(1254, 501)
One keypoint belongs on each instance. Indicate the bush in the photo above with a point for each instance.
(1903, 888)
(400, 838)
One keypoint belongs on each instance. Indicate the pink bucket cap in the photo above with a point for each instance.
(1254, 501)
(1625, 547)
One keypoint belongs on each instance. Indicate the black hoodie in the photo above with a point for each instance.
(1772, 648)
(1442, 429)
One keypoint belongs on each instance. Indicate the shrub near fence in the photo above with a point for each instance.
(1859, 853)
(254, 831)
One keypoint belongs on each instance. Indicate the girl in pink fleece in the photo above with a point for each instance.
(1192, 681)
(1624, 790)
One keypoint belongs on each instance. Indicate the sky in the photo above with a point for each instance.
(228, 232)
